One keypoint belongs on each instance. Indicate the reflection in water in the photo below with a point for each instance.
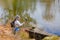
(48, 15)
(50, 26)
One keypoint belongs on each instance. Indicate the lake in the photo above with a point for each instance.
(51, 26)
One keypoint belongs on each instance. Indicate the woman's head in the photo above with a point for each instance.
(17, 17)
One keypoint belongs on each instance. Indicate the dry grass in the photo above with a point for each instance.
(52, 38)
(23, 35)
(6, 33)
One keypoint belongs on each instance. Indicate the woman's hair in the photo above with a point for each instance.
(12, 23)
(17, 17)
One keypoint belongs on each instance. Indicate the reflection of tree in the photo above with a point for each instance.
(48, 15)
(19, 6)
(15, 7)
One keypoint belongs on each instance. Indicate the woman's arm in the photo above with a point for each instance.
(19, 24)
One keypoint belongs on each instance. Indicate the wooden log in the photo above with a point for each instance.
(35, 35)
(39, 36)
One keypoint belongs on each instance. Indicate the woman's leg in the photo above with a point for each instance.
(16, 30)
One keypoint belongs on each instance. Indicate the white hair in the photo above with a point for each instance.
(17, 16)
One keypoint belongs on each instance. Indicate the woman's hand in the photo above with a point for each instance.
(23, 22)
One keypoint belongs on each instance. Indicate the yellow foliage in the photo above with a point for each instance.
(52, 38)
(23, 34)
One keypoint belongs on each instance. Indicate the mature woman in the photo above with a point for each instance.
(16, 24)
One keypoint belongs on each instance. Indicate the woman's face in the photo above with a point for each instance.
(18, 18)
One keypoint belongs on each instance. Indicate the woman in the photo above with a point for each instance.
(16, 24)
